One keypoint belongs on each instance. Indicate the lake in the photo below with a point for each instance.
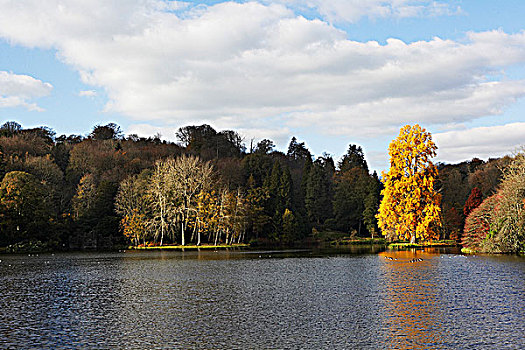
(262, 300)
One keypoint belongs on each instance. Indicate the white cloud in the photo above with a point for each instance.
(261, 67)
(481, 142)
(87, 93)
(18, 90)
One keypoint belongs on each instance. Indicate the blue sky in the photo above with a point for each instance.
(328, 72)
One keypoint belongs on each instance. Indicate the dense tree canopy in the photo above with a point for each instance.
(110, 131)
(410, 205)
(24, 209)
(104, 190)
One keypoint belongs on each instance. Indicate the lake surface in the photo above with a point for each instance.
(262, 300)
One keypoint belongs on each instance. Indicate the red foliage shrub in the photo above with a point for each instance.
(473, 201)
(477, 224)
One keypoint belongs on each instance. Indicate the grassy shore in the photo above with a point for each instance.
(343, 238)
(403, 245)
(189, 247)
(358, 241)
(466, 250)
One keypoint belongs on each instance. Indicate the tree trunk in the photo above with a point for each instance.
(198, 234)
(161, 229)
(413, 238)
(182, 233)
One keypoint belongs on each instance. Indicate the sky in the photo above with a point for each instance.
(331, 73)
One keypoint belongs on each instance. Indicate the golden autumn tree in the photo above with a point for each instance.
(410, 206)
(132, 204)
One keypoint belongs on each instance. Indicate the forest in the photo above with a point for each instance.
(108, 190)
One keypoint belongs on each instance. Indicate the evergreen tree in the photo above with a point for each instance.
(371, 205)
(290, 228)
(273, 185)
(350, 192)
(353, 158)
(286, 189)
(258, 166)
(318, 194)
(298, 151)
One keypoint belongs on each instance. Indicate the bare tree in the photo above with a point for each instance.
(189, 177)
(162, 194)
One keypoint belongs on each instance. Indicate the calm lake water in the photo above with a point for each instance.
(262, 300)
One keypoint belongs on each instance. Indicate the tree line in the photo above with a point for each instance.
(107, 189)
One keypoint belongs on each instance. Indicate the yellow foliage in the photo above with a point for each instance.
(410, 208)
(133, 227)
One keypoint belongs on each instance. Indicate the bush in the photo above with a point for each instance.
(33, 246)
(478, 224)
(498, 224)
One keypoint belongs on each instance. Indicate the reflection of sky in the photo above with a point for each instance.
(47, 302)
(261, 299)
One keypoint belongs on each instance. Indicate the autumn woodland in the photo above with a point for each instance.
(107, 190)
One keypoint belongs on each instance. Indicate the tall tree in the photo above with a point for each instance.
(161, 193)
(194, 137)
(109, 131)
(371, 204)
(297, 150)
(23, 207)
(84, 199)
(190, 176)
(264, 146)
(353, 158)
(10, 128)
(258, 166)
(318, 198)
(131, 203)
(351, 189)
(410, 207)
(205, 141)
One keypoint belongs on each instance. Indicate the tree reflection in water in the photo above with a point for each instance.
(411, 316)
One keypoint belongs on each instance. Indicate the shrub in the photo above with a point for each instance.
(498, 224)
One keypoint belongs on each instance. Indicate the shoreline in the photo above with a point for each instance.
(192, 247)
(431, 244)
